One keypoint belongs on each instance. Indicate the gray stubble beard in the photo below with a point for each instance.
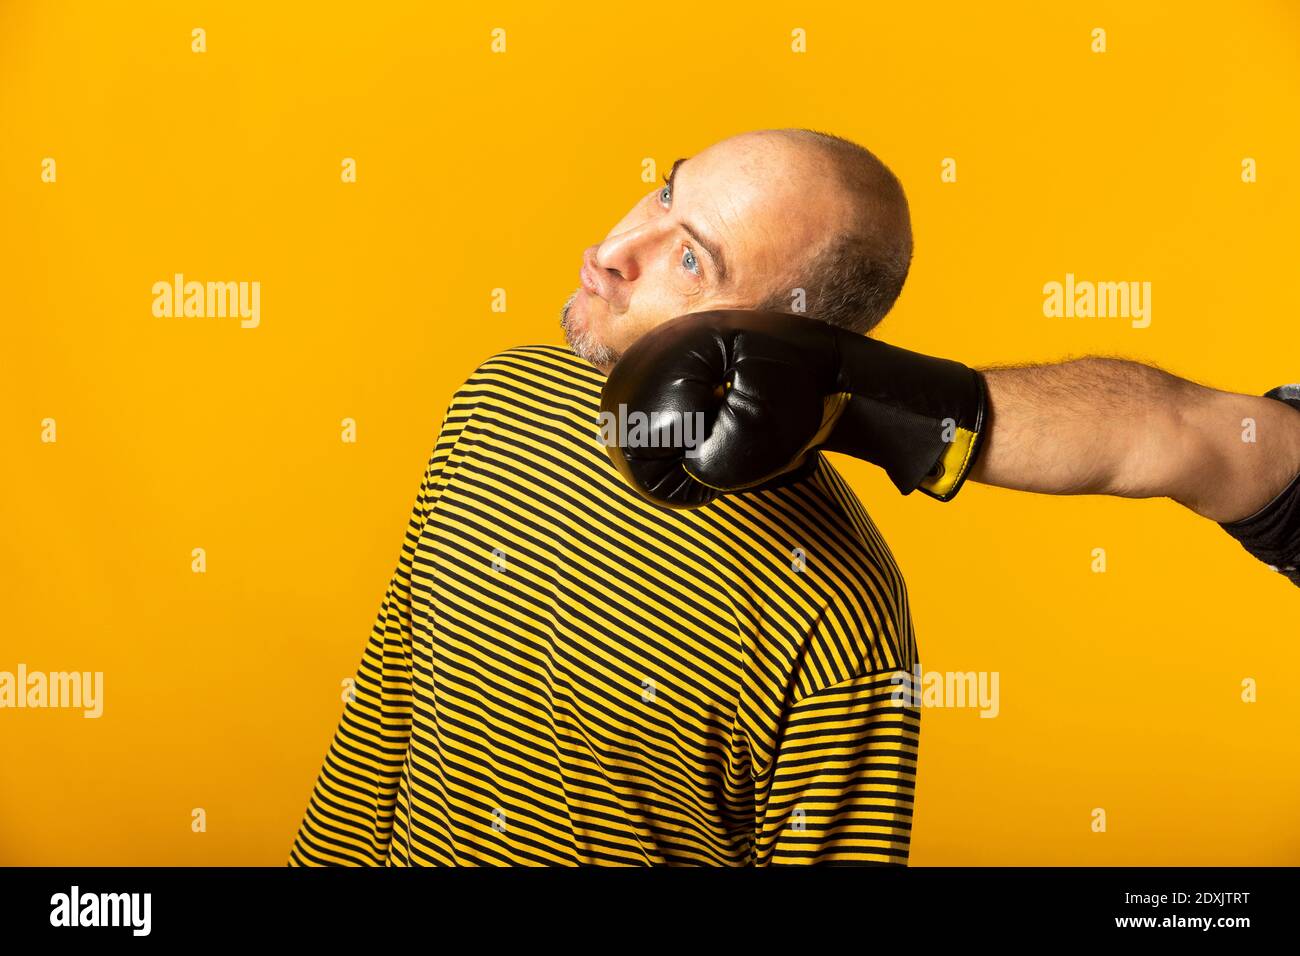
(583, 344)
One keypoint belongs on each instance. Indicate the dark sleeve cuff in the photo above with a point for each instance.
(1272, 534)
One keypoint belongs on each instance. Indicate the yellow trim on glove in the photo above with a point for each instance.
(956, 459)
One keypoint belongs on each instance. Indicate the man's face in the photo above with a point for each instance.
(734, 226)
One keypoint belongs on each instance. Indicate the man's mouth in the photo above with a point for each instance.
(589, 282)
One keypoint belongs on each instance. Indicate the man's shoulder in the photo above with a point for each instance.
(544, 366)
(529, 380)
(828, 513)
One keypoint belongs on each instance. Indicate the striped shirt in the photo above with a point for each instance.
(562, 673)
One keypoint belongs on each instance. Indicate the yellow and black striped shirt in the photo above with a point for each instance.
(562, 674)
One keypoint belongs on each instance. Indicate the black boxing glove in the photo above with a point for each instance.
(721, 401)
(1272, 534)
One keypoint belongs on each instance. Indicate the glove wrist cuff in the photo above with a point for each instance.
(918, 417)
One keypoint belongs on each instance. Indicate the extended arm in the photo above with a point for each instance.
(1116, 427)
(768, 388)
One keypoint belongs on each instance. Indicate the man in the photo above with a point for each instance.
(563, 673)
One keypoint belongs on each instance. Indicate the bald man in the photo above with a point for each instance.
(755, 207)
(562, 673)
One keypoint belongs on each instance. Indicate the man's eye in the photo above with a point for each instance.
(689, 260)
(666, 195)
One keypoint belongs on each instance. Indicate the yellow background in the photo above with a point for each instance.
(1118, 690)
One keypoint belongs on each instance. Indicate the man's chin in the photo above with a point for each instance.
(582, 340)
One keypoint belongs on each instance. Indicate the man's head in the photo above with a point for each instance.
(742, 225)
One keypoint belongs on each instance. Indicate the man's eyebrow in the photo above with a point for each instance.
(715, 253)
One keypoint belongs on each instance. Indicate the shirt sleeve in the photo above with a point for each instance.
(349, 817)
(844, 776)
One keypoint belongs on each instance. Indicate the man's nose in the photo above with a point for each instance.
(623, 252)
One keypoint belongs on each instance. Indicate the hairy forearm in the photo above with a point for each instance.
(1115, 427)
